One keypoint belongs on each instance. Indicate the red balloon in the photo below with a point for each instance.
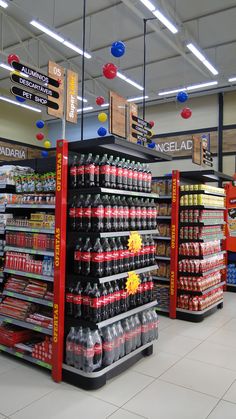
(13, 57)
(152, 123)
(186, 113)
(110, 71)
(40, 136)
(100, 100)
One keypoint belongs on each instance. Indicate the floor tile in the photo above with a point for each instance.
(224, 337)
(230, 396)
(223, 410)
(197, 376)
(64, 403)
(21, 386)
(157, 364)
(121, 388)
(124, 414)
(212, 353)
(7, 363)
(230, 325)
(168, 401)
(191, 330)
(177, 345)
(164, 322)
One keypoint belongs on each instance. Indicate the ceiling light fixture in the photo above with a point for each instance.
(87, 108)
(3, 4)
(136, 99)
(170, 92)
(166, 22)
(82, 99)
(232, 79)
(9, 68)
(58, 38)
(31, 108)
(105, 105)
(133, 83)
(149, 5)
(203, 59)
(188, 88)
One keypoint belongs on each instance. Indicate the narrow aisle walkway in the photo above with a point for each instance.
(191, 375)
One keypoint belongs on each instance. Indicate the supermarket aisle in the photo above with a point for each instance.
(192, 374)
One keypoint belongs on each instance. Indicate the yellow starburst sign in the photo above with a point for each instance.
(132, 283)
(134, 242)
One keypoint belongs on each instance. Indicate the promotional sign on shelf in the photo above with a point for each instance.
(132, 283)
(72, 96)
(231, 214)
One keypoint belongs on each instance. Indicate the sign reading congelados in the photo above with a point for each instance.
(174, 146)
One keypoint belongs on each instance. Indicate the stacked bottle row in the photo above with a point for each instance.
(104, 213)
(109, 172)
(89, 350)
(105, 257)
(102, 302)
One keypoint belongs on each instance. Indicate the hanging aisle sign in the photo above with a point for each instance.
(141, 130)
(55, 71)
(34, 74)
(34, 98)
(141, 122)
(34, 86)
(72, 96)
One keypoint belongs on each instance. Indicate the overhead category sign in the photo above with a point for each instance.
(34, 98)
(141, 130)
(57, 71)
(34, 86)
(34, 74)
(72, 96)
(141, 122)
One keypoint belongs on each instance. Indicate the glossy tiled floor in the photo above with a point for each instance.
(191, 375)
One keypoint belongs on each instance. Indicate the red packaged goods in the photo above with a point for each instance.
(201, 302)
(10, 335)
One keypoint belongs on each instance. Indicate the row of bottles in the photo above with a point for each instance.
(102, 302)
(89, 350)
(105, 257)
(111, 213)
(109, 172)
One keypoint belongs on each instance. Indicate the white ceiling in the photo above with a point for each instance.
(211, 23)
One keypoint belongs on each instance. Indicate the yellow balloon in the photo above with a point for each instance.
(102, 117)
(47, 144)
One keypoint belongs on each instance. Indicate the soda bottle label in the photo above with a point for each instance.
(78, 212)
(69, 298)
(105, 170)
(73, 171)
(86, 212)
(120, 212)
(125, 212)
(95, 302)
(126, 253)
(107, 212)
(115, 255)
(86, 300)
(77, 299)
(97, 349)
(69, 346)
(72, 212)
(85, 256)
(119, 172)
(125, 173)
(117, 295)
(77, 255)
(107, 346)
(152, 248)
(89, 169)
(97, 212)
(114, 212)
(151, 285)
(138, 212)
(97, 257)
(113, 171)
(149, 212)
(140, 177)
(149, 177)
(104, 300)
(88, 352)
(144, 212)
(108, 256)
(144, 328)
(135, 176)
(77, 349)
(132, 212)
(140, 288)
(80, 170)
(96, 170)
(147, 250)
(128, 335)
(111, 298)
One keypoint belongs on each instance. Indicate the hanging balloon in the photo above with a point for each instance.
(182, 97)
(102, 117)
(101, 131)
(152, 145)
(40, 124)
(109, 71)
(100, 100)
(152, 123)
(40, 136)
(44, 153)
(12, 57)
(186, 113)
(20, 99)
(118, 49)
(47, 144)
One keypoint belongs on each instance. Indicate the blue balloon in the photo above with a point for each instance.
(182, 97)
(20, 99)
(152, 145)
(118, 49)
(139, 142)
(102, 131)
(44, 153)
(40, 124)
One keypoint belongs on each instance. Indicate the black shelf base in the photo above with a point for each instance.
(189, 317)
(94, 383)
(231, 288)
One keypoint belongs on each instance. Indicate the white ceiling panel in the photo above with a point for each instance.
(189, 9)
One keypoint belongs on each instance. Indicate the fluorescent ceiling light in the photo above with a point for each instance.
(8, 67)
(87, 108)
(133, 83)
(169, 92)
(203, 59)
(232, 79)
(135, 99)
(105, 105)
(149, 5)
(76, 49)
(165, 21)
(3, 4)
(202, 85)
(5, 99)
(82, 99)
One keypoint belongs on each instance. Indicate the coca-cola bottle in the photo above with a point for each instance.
(104, 172)
(86, 301)
(140, 177)
(150, 326)
(130, 175)
(77, 301)
(78, 348)
(114, 214)
(116, 342)
(107, 347)
(73, 173)
(145, 289)
(88, 351)
(125, 214)
(138, 330)
(107, 213)
(89, 172)
(97, 214)
(139, 294)
(133, 332)
(138, 214)
(143, 214)
(155, 321)
(149, 179)
(149, 214)
(115, 256)
(112, 172)
(144, 329)
(120, 214)
(72, 214)
(146, 250)
(95, 305)
(126, 258)
(142, 256)
(79, 213)
(124, 175)
(70, 341)
(97, 359)
(132, 300)
(128, 336)
(121, 336)
(97, 260)
(150, 287)
(154, 214)
(132, 214)
(69, 301)
(107, 257)
(86, 257)
(121, 256)
(145, 178)
(80, 171)
(104, 302)
(135, 176)
(86, 221)
(131, 260)
(111, 300)
(123, 297)
(77, 256)
(96, 170)
(117, 298)
(152, 249)
(119, 174)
